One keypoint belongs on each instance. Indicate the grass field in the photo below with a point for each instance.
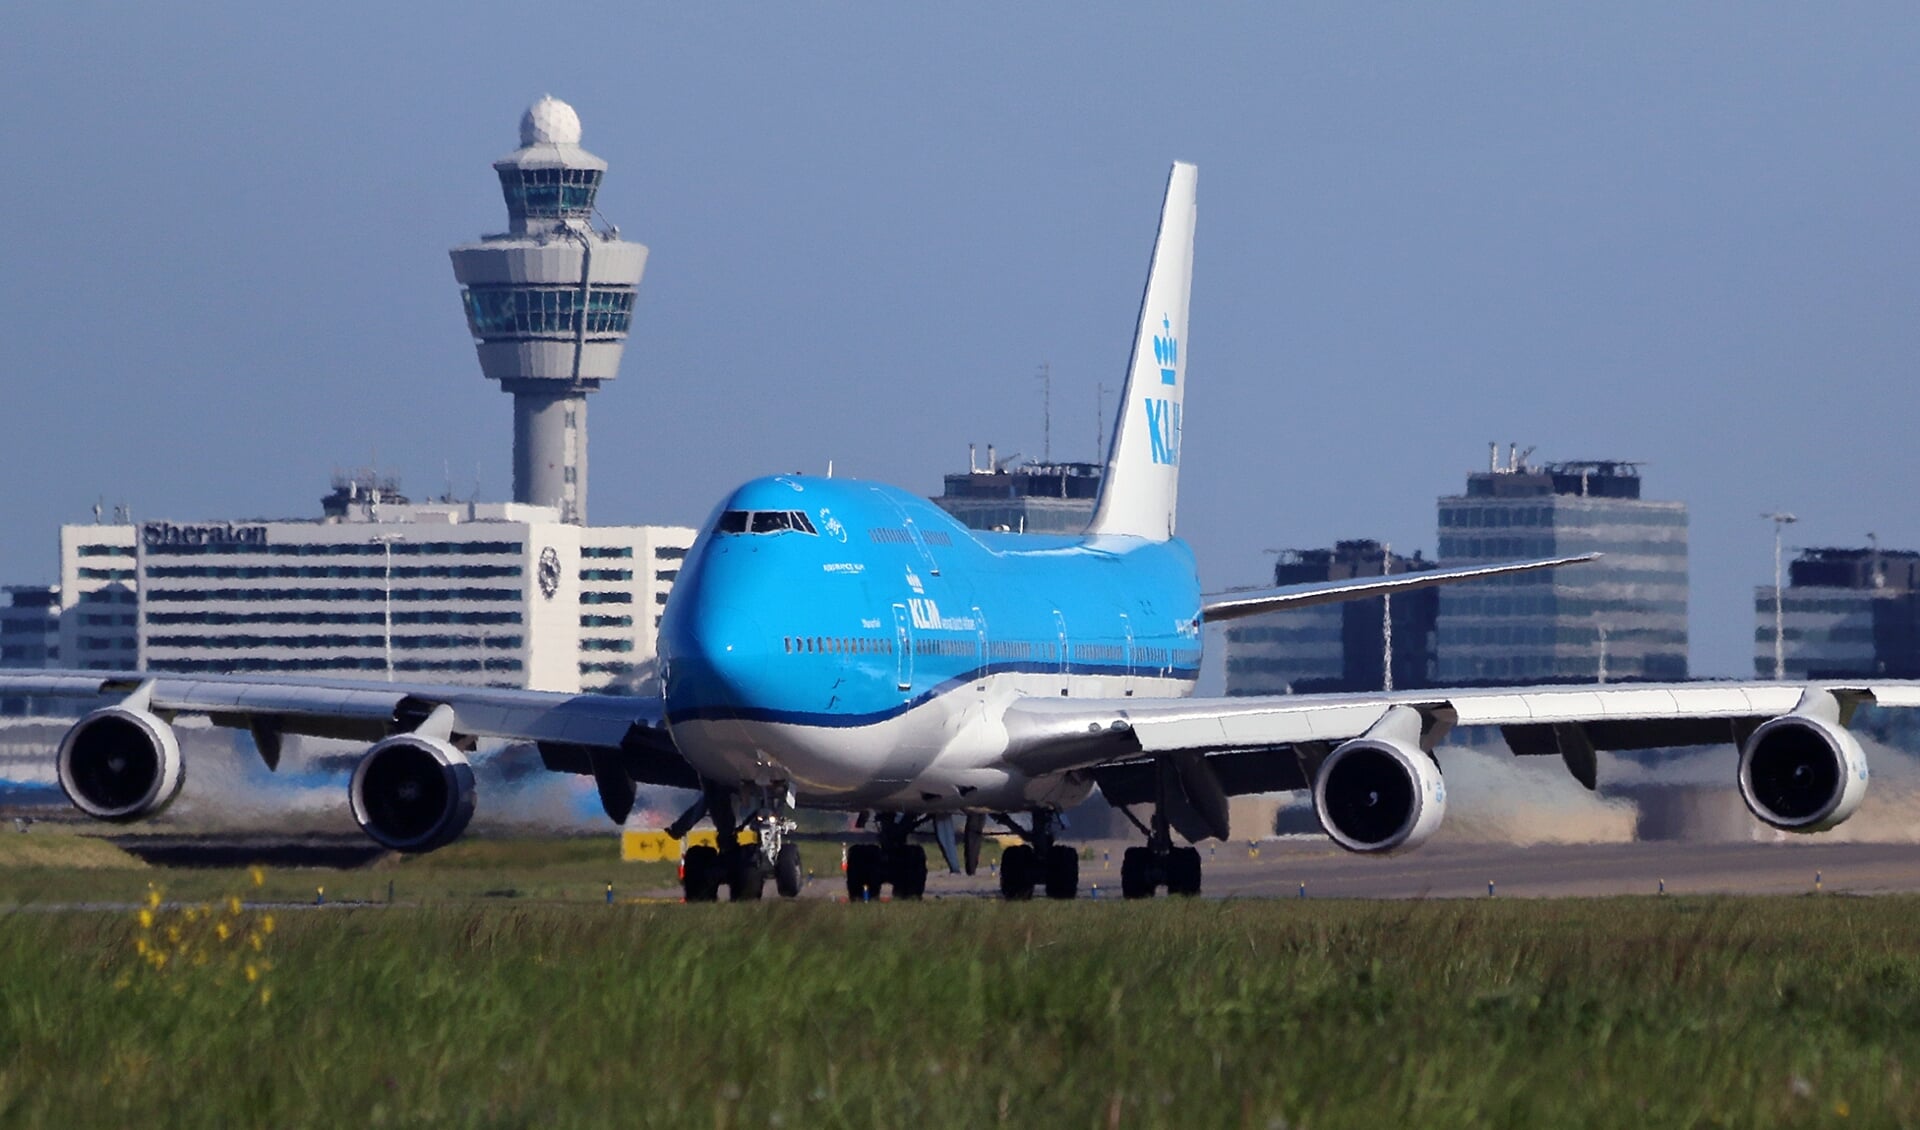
(495, 1011)
(57, 867)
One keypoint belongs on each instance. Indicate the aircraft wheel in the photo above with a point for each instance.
(1183, 871)
(863, 872)
(1017, 866)
(787, 875)
(1063, 872)
(1136, 873)
(908, 866)
(700, 874)
(746, 878)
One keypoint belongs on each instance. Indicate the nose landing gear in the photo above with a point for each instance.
(743, 868)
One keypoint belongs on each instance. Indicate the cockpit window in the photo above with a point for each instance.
(763, 522)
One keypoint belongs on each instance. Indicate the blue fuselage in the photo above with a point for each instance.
(849, 638)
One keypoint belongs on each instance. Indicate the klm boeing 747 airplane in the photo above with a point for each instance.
(845, 645)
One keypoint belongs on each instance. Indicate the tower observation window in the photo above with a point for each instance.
(550, 192)
(505, 313)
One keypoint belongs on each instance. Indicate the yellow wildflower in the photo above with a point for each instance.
(146, 919)
(254, 941)
(259, 876)
(153, 898)
(266, 924)
(253, 974)
(265, 996)
(233, 905)
(220, 930)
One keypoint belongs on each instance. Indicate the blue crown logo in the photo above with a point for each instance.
(1166, 350)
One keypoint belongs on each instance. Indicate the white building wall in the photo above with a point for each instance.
(98, 602)
(454, 593)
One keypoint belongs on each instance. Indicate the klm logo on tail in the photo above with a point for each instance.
(1166, 350)
(1163, 415)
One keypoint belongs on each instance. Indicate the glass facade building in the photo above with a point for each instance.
(1622, 618)
(1331, 648)
(1843, 613)
(1030, 498)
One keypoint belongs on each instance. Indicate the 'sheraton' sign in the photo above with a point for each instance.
(223, 533)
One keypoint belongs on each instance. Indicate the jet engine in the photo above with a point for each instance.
(120, 763)
(1374, 794)
(412, 793)
(1802, 774)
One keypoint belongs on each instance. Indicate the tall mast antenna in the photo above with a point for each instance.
(1046, 411)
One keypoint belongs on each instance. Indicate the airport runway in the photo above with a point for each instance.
(1543, 871)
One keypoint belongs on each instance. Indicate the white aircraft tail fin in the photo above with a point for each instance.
(1141, 487)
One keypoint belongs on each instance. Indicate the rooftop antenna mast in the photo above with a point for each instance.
(1046, 411)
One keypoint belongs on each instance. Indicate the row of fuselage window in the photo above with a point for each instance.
(998, 649)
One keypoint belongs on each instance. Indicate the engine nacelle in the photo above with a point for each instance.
(1377, 795)
(412, 793)
(1802, 774)
(121, 764)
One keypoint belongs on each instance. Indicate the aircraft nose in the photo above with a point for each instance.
(718, 659)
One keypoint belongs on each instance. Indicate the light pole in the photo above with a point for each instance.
(1386, 618)
(386, 544)
(1781, 520)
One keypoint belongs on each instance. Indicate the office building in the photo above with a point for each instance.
(30, 626)
(1023, 498)
(1335, 647)
(1843, 613)
(1622, 618)
(497, 594)
(549, 303)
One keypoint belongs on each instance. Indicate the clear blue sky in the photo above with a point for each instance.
(1682, 234)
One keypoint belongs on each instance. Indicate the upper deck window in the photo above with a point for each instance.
(763, 522)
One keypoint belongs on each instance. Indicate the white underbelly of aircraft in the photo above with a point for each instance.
(943, 755)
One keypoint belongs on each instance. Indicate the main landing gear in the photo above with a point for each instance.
(743, 868)
(895, 861)
(1038, 861)
(1144, 870)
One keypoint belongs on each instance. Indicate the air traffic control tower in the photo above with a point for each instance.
(549, 303)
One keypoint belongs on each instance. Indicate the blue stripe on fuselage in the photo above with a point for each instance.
(892, 602)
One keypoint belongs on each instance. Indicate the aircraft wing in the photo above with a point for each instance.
(619, 740)
(1223, 747)
(1252, 602)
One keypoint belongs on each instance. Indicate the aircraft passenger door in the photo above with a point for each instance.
(1060, 629)
(1126, 626)
(902, 647)
(920, 543)
(985, 661)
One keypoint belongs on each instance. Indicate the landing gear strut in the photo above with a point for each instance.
(742, 868)
(893, 861)
(1038, 861)
(1159, 864)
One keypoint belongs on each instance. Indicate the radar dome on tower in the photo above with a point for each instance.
(549, 122)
